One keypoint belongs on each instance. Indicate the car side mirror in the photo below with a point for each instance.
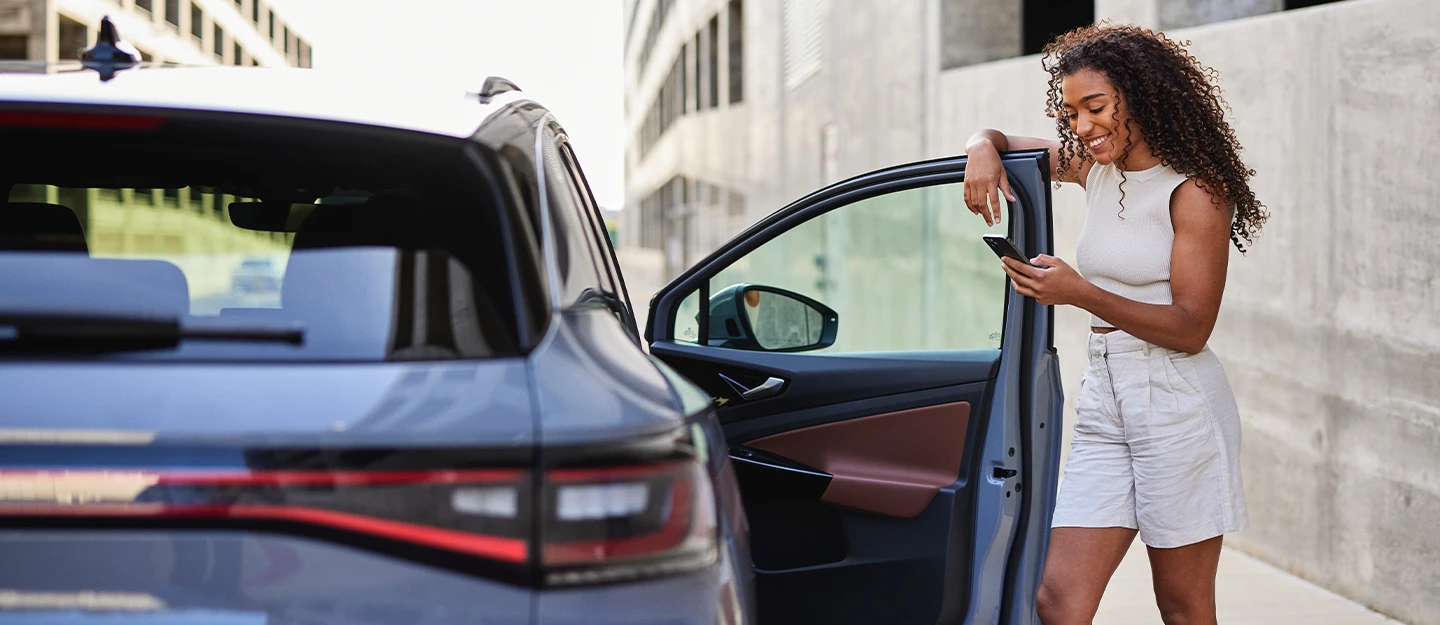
(767, 319)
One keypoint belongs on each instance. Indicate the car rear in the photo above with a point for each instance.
(263, 368)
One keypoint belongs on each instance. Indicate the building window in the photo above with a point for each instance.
(172, 12)
(714, 54)
(683, 62)
(803, 26)
(272, 25)
(239, 4)
(657, 22)
(699, 65)
(237, 55)
(1044, 20)
(1300, 4)
(74, 37)
(219, 43)
(285, 36)
(304, 52)
(14, 47)
(255, 12)
(736, 50)
(144, 4)
(197, 22)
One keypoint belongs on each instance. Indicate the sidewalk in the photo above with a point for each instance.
(1249, 592)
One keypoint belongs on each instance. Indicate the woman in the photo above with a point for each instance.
(1157, 434)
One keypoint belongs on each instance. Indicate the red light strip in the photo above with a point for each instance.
(79, 121)
(506, 549)
(283, 478)
(613, 473)
(671, 534)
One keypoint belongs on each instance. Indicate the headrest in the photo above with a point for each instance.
(70, 283)
(36, 226)
(386, 219)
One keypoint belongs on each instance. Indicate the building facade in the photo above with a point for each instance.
(1331, 323)
(181, 32)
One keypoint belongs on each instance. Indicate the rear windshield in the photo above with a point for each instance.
(246, 239)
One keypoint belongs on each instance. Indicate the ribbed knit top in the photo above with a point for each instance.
(1128, 253)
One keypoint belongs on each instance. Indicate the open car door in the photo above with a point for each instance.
(892, 406)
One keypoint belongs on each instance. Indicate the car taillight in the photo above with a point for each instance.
(595, 524)
(617, 523)
(469, 512)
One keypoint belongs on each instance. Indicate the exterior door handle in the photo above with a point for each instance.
(769, 388)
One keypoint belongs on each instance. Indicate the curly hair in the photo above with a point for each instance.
(1176, 103)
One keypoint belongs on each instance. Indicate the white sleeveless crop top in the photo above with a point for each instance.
(1128, 253)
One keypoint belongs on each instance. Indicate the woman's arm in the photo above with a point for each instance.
(985, 179)
(1198, 265)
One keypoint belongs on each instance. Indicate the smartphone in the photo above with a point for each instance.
(1003, 247)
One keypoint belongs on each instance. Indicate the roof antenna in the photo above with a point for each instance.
(110, 55)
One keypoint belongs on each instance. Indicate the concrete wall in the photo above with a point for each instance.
(1330, 329)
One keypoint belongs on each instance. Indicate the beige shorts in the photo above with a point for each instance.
(1156, 447)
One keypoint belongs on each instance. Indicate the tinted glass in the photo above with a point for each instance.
(578, 261)
(372, 250)
(905, 271)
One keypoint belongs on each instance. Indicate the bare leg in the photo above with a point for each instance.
(1078, 566)
(1185, 582)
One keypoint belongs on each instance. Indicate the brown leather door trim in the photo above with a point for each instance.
(891, 464)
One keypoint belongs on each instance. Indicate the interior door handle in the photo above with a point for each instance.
(769, 388)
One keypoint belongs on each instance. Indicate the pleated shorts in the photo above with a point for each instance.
(1156, 446)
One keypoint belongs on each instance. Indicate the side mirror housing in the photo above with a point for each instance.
(762, 318)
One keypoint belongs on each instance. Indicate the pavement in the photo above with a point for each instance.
(1248, 592)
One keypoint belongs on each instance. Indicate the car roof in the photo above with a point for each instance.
(433, 107)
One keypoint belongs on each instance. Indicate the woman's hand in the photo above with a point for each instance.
(1055, 283)
(985, 180)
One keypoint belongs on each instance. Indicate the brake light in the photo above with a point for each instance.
(79, 121)
(595, 524)
(412, 507)
(616, 523)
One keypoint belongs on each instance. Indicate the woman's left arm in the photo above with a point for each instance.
(1197, 279)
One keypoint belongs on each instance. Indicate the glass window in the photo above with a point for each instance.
(905, 271)
(197, 21)
(237, 54)
(714, 66)
(271, 21)
(575, 255)
(369, 252)
(255, 11)
(736, 51)
(219, 42)
(172, 12)
(594, 222)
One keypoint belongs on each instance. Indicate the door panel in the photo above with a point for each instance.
(891, 463)
(881, 476)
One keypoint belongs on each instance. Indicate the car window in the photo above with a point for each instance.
(390, 254)
(575, 253)
(590, 216)
(904, 271)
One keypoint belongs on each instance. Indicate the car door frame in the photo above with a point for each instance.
(1008, 562)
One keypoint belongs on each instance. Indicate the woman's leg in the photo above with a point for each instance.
(1078, 566)
(1185, 582)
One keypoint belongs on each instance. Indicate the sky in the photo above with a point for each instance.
(564, 53)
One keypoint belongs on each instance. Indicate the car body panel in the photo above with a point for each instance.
(483, 402)
(435, 107)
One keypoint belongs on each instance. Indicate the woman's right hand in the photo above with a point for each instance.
(985, 181)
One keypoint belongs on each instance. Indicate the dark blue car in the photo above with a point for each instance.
(447, 413)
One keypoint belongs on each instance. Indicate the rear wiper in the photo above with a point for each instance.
(41, 331)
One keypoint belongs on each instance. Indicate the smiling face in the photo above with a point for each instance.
(1100, 119)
